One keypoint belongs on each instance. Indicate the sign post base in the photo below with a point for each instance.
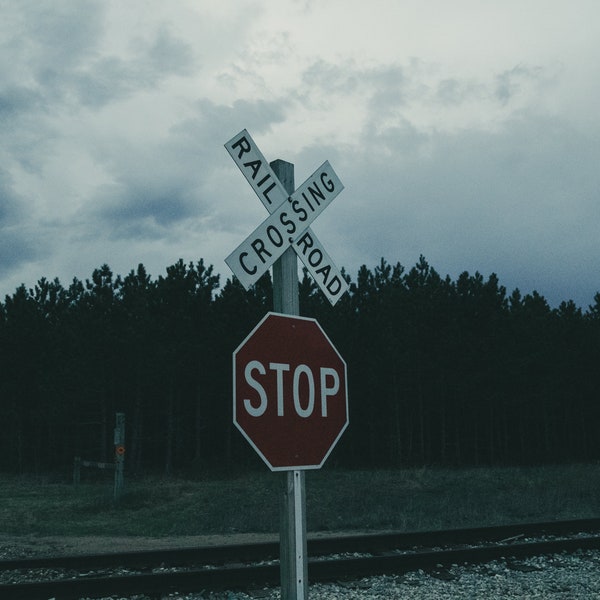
(292, 542)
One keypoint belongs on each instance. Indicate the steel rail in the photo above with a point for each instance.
(387, 559)
(371, 542)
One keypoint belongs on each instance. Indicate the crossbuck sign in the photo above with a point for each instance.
(288, 223)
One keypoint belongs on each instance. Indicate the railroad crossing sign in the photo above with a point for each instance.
(288, 222)
(290, 398)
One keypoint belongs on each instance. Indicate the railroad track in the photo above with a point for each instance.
(255, 565)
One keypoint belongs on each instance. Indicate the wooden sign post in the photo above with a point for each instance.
(119, 456)
(282, 238)
(292, 537)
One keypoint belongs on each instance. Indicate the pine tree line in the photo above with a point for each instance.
(440, 371)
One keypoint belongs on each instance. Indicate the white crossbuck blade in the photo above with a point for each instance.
(288, 222)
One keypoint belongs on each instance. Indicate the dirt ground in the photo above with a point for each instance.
(30, 546)
(33, 546)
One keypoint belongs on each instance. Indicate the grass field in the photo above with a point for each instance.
(409, 500)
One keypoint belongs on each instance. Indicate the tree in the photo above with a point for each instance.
(441, 371)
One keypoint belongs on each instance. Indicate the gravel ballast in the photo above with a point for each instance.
(568, 576)
(557, 576)
(565, 576)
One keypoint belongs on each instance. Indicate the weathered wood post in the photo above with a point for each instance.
(292, 541)
(272, 244)
(119, 455)
(77, 471)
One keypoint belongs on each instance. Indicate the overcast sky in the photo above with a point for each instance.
(466, 131)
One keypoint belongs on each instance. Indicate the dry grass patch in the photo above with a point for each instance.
(337, 500)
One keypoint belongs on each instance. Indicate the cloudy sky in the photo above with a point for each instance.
(466, 131)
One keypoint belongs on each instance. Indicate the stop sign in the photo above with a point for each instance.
(290, 398)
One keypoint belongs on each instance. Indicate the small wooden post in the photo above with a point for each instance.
(119, 455)
(77, 471)
(292, 541)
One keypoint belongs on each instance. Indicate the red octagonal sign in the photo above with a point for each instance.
(290, 397)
